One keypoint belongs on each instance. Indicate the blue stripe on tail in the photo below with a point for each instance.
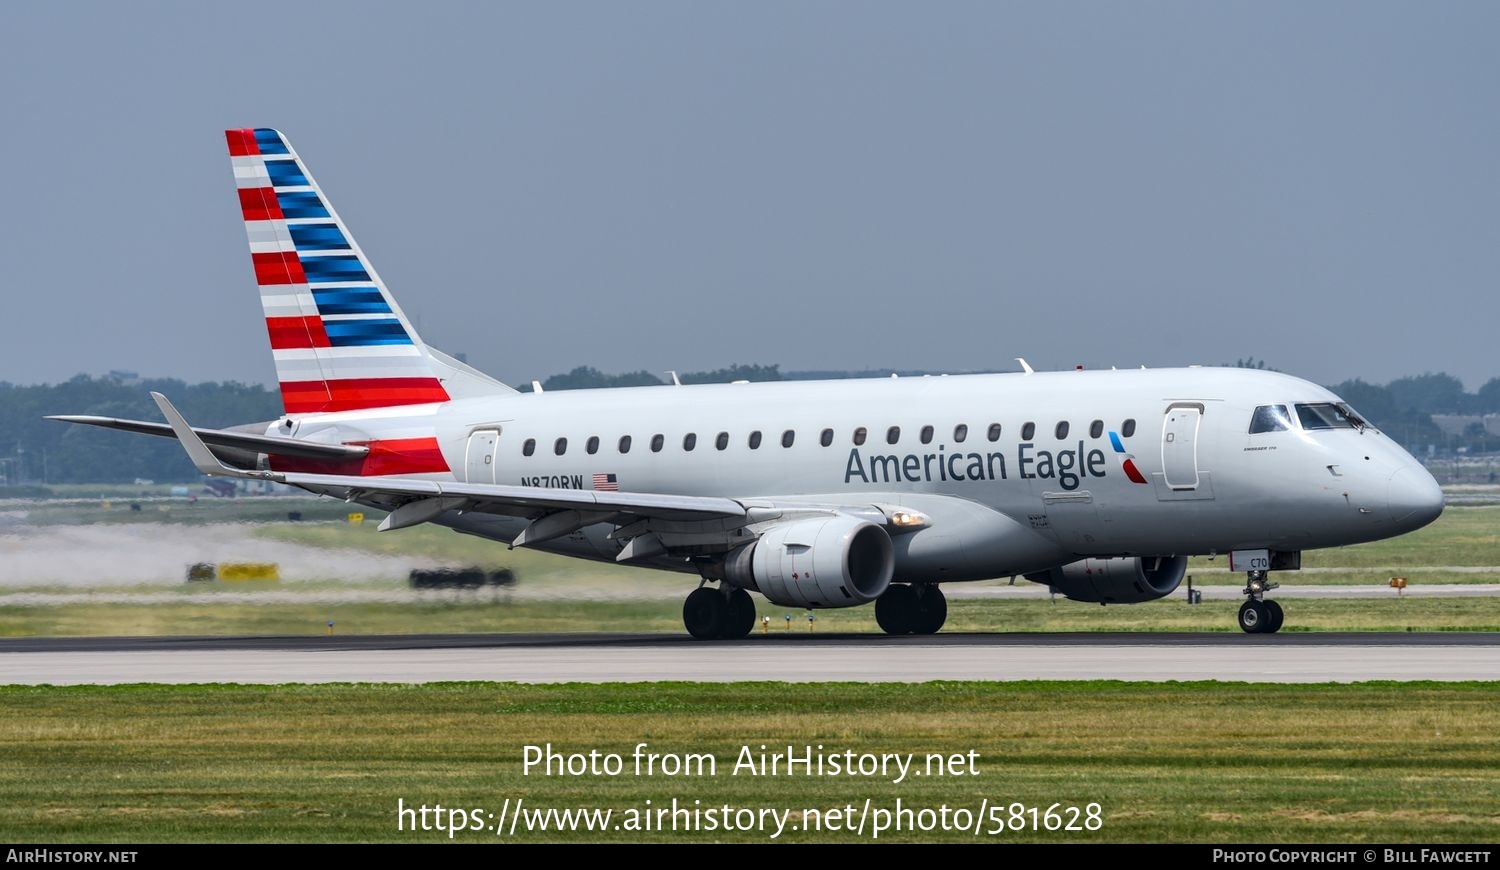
(318, 237)
(350, 300)
(363, 333)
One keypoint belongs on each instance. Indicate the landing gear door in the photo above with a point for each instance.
(480, 459)
(1179, 445)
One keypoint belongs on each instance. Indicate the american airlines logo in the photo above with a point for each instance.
(1127, 460)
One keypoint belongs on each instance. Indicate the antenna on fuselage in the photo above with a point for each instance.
(676, 381)
(1026, 366)
(536, 386)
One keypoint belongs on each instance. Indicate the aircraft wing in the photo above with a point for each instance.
(417, 501)
(245, 441)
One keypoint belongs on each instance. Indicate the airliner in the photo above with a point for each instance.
(1098, 484)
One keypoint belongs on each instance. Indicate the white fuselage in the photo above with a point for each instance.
(1019, 498)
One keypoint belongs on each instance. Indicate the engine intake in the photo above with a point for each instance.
(1121, 580)
(835, 561)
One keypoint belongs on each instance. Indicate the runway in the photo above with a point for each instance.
(531, 658)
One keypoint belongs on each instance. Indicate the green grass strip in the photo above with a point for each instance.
(1198, 762)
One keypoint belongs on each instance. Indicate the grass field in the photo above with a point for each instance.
(1175, 762)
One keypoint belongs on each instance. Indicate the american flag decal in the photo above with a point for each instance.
(607, 482)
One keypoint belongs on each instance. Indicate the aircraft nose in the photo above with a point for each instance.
(1415, 498)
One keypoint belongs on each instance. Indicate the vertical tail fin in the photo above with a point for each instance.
(339, 339)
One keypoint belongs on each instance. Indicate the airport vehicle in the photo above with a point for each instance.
(1099, 484)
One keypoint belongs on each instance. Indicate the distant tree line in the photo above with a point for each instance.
(34, 450)
(590, 378)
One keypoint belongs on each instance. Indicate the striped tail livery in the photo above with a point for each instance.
(339, 339)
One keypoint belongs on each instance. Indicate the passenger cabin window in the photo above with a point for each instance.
(1028, 431)
(1096, 428)
(593, 445)
(722, 441)
(788, 437)
(859, 436)
(893, 434)
(529, 447)
(657, 441)
(1327, 415)
(755, 440)
(1061, 431)
(560, 446)
(994, 433)
(624, 443)
(926, 434)
(826, 438)
(1128, 428)
(689, 441)
(1270, 418)
(960, 432)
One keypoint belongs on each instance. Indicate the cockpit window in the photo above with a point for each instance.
(1270, 418)
(1329, 415)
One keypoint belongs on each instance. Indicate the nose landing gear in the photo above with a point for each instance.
(1259, 614)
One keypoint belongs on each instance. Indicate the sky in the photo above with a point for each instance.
(820, 185)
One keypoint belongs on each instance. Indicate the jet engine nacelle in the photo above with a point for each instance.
(835, 561)
(1121, 580)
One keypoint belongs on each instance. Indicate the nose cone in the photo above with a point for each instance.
(1415, 498)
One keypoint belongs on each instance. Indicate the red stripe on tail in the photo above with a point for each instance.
(393, 456)
(242, 143)
(296, 332)
(354, 394)
(278, 267)
(260, 204)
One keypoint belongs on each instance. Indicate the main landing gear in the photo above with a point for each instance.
(1259, 614)
(911, 608)
(725, 613)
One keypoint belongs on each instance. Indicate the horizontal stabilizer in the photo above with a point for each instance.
(269, 444)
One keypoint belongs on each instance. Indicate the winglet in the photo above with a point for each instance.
(197, 451)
